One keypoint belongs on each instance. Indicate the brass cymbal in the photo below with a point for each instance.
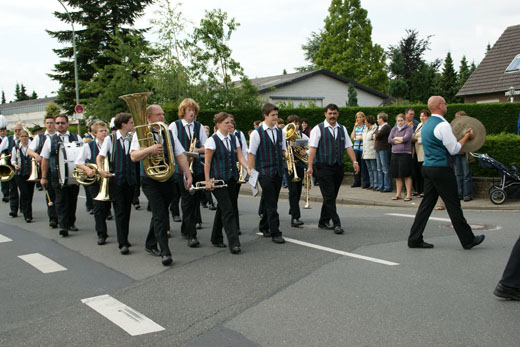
(461, 124)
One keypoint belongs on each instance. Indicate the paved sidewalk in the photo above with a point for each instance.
(359, 196)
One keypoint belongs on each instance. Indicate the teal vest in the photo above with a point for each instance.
(435, 154)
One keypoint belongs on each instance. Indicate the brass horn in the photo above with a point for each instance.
(104, 194)
(82, 178)
(155, 166)
(6, 171)
(34, 177)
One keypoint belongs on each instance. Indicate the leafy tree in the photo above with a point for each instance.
(3, 97)
(96, 21)
(346, 46)
(449, 83)
(52, 109)
(133, 58)
(311, 49)
(412, 50)
(352, 96)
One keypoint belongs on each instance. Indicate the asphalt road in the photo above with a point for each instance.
(270, 295)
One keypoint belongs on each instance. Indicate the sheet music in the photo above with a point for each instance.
(253, 180)
(301, 142)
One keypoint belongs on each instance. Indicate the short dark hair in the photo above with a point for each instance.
(257, 122)
(332, 107)
(121, 118)
(293, 119)
(426, 112)
(268, 108)
(63, 115)
(221, 116)
(304, 120)
(49, 117)
(408, 109)
(370, 119)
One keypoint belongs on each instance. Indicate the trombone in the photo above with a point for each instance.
(307, 183)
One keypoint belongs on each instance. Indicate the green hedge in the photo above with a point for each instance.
(503, 147)
(496, 117)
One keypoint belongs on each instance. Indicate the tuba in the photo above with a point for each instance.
(81, 176)
(155, 166)
(6, 171)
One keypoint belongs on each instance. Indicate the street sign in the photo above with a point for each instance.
(78, 108)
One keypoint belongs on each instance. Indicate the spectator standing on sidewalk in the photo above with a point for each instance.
(369, 152)
(463, 171)
(382, 148)
(361, 178)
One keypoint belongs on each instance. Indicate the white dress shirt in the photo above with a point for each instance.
(210, 143)
(254, 140)
(444, 133)
(35, 143)
(5, 143)
(85, 154)
(334, 130)
(202, 133)
(14, 153)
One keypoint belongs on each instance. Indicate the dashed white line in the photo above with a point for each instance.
(413, 216)
(128, 319)
(336, 251)
(4, 239)
(42, 263)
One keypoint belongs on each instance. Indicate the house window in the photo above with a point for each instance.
(515, 64)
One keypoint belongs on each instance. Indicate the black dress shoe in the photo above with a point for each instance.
(266, 233)
(507, 292)
(220, 245)
(235, 250)
(212, 207)
(90, 211)
(153, 251)
(278, 239)
(124, 250)
(239, 232)
(13, 214)
(476, 241)
(296, 222)
(53, 224)
(338, 229)
(73, 228)
(176, 219)
(101, 241)
(325, 226)
(166, 260)
(64, 233)
(110, 217)
(4, 199)
(168, 234)
(198, 226)
(193, 242)
(420, 245)
(28, 220)
(355, 185)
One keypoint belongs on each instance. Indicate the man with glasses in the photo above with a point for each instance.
(6, 148)
(66, 196)
(35, 148)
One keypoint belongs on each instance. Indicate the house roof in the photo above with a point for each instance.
(26, 104)
(490, 75)
(265, 84)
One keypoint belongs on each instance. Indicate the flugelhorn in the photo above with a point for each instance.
(103, 194)
(6, 170)
(35, 168)
(157, 167)
(201, 185)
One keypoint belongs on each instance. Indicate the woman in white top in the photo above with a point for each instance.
(369, 152)
(21, 162)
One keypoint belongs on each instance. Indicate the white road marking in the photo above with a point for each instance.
(4, 239)
(336, 251)
(413, 216)
(128, 319)
(42, 263)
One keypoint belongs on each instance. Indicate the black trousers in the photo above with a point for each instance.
(176, 197)
(295, 191)
(89, 204)
(159, 194)
(511, 276)
(101, 210)
(26, 194)
(330, 178)
(66, 201)
(137, 187)
(51, 209)
(235, 208)
(417, 179)
(361, 178)
(270, 221)
(5, 189)
(14, 200)
(440, 181)
(225, 215)
(190, 205)
(121, 196)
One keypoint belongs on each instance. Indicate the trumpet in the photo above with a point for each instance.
(307, 188)
(81, 175)
(202, 185)
(241, 178)
(191, 150)
(6, 171)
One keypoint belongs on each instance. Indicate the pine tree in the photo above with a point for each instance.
(23, 93)
(346, 46)
(17, 96)
(33, 95)
(284, 72)
(448, 81)
(95, 21)
(464, 72)
(352, 96)
(3, 97)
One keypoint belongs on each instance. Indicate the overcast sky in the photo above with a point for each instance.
(270, 35)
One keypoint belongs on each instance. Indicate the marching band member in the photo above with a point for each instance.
(21, 162)
(35, 148)
(243, 147)
(266, 153)
(6, 148)
(122, 175)
(66, 196)
(185, 130)
(90, 151)
(328, 141)
(295, 188)
(222, 153)
(159, 194)
(87, 138)
(3, 135)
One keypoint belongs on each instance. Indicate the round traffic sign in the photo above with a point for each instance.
(78, 108)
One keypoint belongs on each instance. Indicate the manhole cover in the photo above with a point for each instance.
(479, 227)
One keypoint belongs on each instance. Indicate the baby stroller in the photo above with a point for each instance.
(509, 177)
